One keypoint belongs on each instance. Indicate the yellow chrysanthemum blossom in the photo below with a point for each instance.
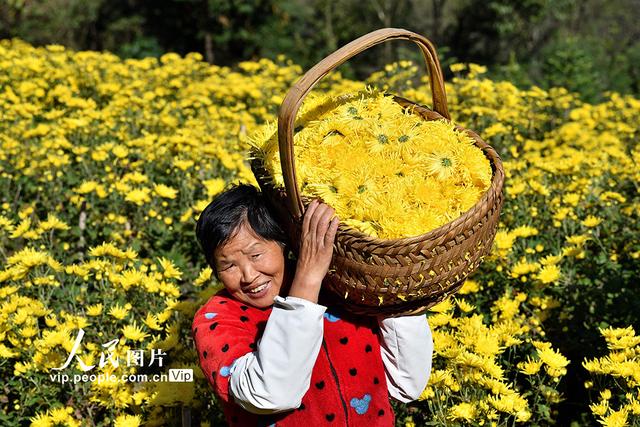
(615, 419)
(139, 196)
(462, 411)
(530, 367)
(134, 332)
(169, 270)
(118, 312)
(165, 191)
(53, 223)
(591, 221)
(549, 274)
(127, 421)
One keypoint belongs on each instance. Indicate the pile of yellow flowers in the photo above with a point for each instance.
(386, 171)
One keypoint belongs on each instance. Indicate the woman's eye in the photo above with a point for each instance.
(226, 267)
(255, 256)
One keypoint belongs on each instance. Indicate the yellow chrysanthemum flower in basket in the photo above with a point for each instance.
(418, 197)
(385, 171)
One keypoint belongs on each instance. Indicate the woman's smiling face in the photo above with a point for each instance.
(247, 263)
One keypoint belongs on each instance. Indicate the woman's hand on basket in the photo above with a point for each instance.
(319, 228)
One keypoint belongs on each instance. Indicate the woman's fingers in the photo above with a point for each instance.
(331, 232)
(319, 225)
(316, 216)
(319, 229)
(323, 223)
(306, 221)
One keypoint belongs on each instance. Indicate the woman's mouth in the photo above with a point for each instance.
(259, 291)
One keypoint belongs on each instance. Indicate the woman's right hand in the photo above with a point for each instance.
(319, 228)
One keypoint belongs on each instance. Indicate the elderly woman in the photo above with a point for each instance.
(272, 353)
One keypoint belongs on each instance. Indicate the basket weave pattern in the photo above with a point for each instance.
(369, 275)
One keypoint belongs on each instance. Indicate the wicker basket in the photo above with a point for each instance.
(398, 276)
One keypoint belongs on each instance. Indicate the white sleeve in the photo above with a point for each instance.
(275, 377)
(406, 347)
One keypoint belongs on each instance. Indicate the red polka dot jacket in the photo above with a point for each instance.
(346, 387)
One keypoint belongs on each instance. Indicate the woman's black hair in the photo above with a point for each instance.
(220, 220)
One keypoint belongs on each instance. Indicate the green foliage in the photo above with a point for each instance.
(513, 72)
(587, 46)
(571, 64)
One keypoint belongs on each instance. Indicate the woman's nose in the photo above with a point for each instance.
(249, 274)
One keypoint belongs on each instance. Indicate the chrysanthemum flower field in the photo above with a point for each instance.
(106, 163)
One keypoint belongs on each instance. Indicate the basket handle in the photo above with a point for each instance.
(295, 95)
